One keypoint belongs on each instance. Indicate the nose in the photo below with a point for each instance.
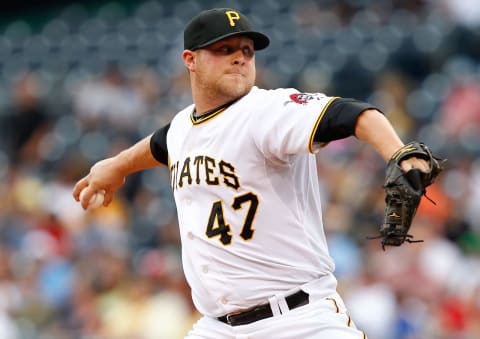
(239, 57)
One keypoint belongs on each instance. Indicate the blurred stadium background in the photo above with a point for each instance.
(81, 80)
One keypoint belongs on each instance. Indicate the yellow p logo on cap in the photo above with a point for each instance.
(232, 16)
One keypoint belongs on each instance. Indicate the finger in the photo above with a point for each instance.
(425, 167)
(86, 194)
(79, 186)
(421, 164)
(108, 198)
(415, 163)
(406, 166)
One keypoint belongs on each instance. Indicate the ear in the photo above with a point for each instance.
(189, 60)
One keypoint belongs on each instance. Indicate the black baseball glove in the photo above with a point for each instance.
(404, 191)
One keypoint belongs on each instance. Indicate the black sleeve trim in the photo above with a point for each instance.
(158, 145)
(339, 119)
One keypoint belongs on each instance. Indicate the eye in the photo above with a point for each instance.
(225, 50)
(248, 51)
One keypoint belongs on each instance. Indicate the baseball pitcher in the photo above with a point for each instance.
(243, 174)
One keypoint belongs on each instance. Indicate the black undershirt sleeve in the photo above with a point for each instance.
(158, 145)
(339, 119)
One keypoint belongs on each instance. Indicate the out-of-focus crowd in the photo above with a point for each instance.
(87, 83)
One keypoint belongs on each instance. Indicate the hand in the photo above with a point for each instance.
(407, 176)
(106, 175)
(413, 162)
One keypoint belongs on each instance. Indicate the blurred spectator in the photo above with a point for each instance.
(473, 197)
(147, 84)
(111, 101)
(10, 297)
(25, 121)
(460, 114)
(463, 12)
(391, 95)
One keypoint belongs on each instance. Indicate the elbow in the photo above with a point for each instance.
(366, 122)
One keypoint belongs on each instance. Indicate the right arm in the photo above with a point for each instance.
(109, 174)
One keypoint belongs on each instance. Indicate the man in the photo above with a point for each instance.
(244, 178)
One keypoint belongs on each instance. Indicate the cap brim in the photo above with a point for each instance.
(260, 40)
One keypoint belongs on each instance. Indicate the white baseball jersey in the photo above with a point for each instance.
(246, 189)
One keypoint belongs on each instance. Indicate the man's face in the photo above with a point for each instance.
(225, 68)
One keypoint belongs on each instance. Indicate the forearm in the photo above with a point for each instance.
(374, 128)
(136, 158)
(109, 174)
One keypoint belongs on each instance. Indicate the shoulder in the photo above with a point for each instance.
(183, 116)
(276, 93)
(268, 99)
(286, 100)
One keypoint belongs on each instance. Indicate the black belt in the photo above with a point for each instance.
(263, 311)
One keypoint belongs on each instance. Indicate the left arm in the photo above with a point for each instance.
(374, 128)
(405, 181)
(345, 117)
(410, 168)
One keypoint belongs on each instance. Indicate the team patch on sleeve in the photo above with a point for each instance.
(304, 98)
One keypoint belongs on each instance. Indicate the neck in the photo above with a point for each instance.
(205, 105)
(198, 114)
(206, 100)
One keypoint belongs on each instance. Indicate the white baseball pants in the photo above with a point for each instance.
(322, 318)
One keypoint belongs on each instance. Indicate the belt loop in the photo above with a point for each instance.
(282, 303)
(274, 305)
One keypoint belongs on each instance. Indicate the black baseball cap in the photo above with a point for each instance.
(216, 24)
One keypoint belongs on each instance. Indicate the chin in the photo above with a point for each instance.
(237, 89)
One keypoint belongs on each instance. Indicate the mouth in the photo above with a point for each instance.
(236, 74)
(235, 71)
